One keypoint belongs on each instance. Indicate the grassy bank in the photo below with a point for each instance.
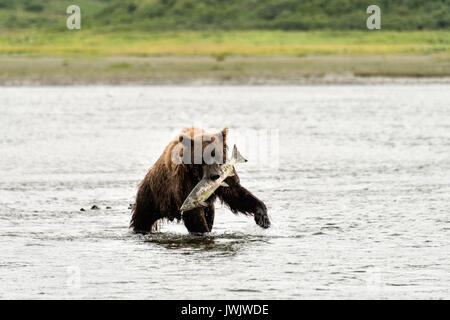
(221, 44)
(177, 57)
(237, 70)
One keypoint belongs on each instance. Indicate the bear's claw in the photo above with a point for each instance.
(262, 219)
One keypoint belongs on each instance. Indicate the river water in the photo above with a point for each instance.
(356, 180)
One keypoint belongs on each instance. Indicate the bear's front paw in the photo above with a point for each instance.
(262, 219)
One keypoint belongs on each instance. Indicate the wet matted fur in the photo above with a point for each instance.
(163, 190)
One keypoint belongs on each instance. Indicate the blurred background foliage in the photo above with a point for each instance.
(161, 41)
(203, 15)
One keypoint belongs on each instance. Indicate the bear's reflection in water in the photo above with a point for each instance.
(219, 244)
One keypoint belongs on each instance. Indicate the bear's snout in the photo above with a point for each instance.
(214, 176)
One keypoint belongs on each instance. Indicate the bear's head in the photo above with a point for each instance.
(199, 153)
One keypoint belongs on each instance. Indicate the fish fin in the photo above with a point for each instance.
(203, 203)
(237, 156)
(224, 184)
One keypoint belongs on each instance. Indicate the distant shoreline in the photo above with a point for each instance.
(27, 70)
(327, 80)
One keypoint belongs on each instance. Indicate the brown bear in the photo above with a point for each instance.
(168, 183)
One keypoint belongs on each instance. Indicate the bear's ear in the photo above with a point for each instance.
(224, 132)
(223, 135)
(185, 139)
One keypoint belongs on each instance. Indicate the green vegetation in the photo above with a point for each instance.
(154, 41)
(37, 14)
(227, 14)
(235, 70)
(221, 28)
(222, 44)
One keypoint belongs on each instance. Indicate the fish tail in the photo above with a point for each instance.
(237, 156)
